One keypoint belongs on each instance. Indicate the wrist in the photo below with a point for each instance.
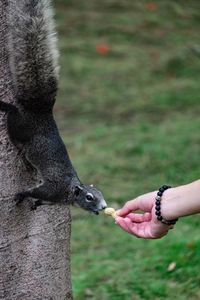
(169, 204)
(181, 201)
(158, 201)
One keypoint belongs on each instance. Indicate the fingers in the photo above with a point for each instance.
(128, 226)
(141, 225)
(144, 202)
(138, 218)
(122, 223)
(128, 207)
(146, 229)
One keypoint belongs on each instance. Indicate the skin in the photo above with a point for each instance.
(175, 203)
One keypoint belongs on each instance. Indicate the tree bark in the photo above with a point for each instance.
(34, 245)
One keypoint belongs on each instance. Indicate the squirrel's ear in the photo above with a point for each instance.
(77, 189)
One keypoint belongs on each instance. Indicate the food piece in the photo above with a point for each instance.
(110, 212)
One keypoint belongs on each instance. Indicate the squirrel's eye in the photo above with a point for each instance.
(89, 197)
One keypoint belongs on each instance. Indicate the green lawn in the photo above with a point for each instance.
(130, 119)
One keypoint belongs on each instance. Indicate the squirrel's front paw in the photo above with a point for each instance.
(19, 198)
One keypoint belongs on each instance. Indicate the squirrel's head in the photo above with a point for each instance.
(88, 198)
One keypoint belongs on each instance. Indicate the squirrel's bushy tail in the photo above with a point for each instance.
(33, 53)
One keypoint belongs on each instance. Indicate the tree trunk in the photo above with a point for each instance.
(34, 245)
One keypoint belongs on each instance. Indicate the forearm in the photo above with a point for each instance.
(181, 201)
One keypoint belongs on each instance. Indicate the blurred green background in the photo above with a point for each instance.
(128, 110)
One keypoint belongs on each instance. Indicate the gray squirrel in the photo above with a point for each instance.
(31, 127)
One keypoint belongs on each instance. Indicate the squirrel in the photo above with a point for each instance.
(33, 59)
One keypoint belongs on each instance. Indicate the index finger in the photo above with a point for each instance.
(130, 206)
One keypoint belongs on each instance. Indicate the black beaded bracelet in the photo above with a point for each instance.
(158, 204)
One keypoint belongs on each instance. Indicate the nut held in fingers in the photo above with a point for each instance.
(110, 212)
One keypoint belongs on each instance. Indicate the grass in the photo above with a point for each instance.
(130, 120)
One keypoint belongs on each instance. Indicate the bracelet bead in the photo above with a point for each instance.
(158, 206)
(162, 189)
(166, 187)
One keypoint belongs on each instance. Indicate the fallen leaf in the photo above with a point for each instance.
(102, 49)
(151, 6)
(88, 292)
(171, 266)
(190, 245)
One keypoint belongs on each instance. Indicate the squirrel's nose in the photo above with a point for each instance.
(102, 205)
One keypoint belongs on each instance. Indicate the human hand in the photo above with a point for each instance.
(143, 225)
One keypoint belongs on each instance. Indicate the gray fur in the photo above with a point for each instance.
(33, 52)
(31, 126)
